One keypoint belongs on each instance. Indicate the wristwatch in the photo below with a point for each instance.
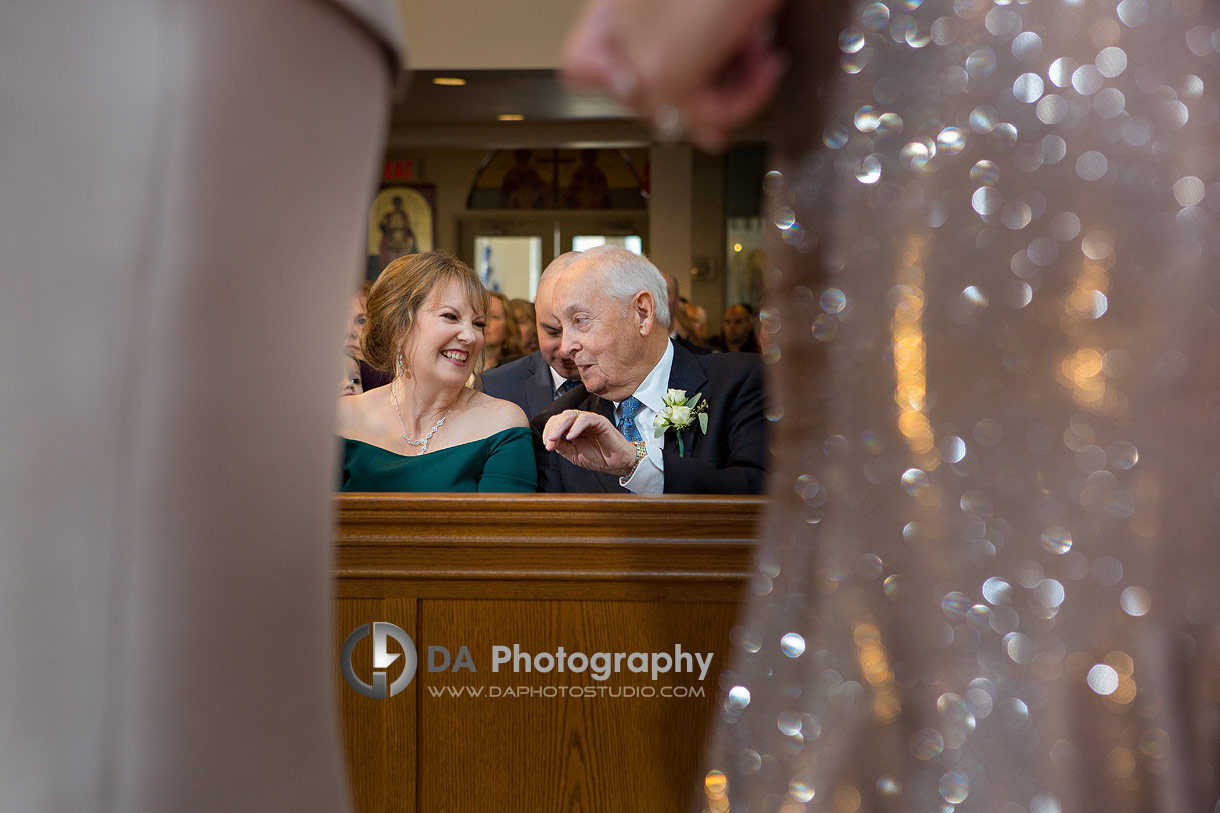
(641, 452)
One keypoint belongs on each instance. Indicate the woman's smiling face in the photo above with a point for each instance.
(447, 337)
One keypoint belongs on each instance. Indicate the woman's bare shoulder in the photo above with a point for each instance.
(496, 414)
(354, 415)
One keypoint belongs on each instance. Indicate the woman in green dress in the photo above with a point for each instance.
(427, 430)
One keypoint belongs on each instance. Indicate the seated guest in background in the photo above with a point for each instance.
(533, 382)
(526, 316)
(602, 436)
(684, 330)
(502, 337)
(351, 377)
(426, 430)
(737, 331)
(356, 318)
(677, 331)
(698, 321)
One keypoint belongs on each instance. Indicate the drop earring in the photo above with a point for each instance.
(400, 367)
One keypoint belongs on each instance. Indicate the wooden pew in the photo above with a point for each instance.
(589, 573)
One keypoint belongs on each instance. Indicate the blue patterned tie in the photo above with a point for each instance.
(626, 423)
(568, 386)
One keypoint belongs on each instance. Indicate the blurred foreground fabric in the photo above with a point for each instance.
(182, 189)
(990, 578)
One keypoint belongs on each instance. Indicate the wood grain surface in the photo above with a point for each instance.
(589, 574)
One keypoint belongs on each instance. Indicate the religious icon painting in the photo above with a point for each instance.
(561, 179)
(401, 221)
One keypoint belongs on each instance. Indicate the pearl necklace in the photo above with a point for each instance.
(423, 444)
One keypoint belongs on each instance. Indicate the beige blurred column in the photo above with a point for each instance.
(669, 208)
(182, 193)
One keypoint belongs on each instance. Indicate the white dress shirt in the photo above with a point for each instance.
(557, 381)
(649, 476)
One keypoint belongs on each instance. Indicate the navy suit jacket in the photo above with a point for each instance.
(731, 458)
(526, 382)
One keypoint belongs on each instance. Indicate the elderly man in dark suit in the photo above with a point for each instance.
(536, 380)
(614, 320)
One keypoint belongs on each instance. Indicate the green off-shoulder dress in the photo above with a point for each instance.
(499, 463)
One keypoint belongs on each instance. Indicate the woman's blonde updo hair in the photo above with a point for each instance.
(397, 294)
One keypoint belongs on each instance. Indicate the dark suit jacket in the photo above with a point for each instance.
(526, 382)
(730, 459)
(371, 378)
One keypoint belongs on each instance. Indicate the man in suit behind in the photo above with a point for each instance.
(536, 380)
(614, 321)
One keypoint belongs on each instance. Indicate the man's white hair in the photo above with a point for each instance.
(558, 265)
(625, 274)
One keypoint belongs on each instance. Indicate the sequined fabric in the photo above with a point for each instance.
(991, 576)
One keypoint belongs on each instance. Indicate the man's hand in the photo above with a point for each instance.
(588, 440)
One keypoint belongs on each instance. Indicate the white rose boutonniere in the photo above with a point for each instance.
(679, 413)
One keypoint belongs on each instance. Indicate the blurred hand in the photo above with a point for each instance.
(699, 66)
(590, 441)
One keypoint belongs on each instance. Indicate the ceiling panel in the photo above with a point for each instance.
(537, 95)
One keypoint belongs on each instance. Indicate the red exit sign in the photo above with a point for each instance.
(400, 170)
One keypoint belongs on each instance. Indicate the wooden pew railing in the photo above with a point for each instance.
(586, 573)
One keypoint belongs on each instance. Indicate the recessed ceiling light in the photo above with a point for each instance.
(449, 81)
(511, 117)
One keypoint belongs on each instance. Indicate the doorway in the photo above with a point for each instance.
(510, 250)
